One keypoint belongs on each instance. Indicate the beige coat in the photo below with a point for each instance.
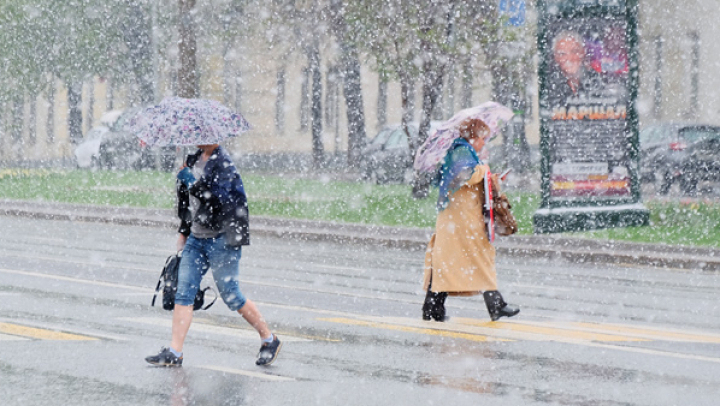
(460, 259)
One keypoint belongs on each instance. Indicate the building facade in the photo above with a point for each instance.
(679, 66)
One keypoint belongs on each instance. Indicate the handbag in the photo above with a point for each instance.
(497, 211)
(169, 280)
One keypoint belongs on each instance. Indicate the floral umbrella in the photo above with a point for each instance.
(178, 121)
(433, 150)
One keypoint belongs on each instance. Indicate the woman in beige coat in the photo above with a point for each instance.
(460, 261)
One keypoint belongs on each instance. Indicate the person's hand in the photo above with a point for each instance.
(182, 239)
(186, 177)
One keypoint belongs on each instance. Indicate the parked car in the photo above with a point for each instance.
(683, 152)
(88, 152)
(387, 155)
(112, 146)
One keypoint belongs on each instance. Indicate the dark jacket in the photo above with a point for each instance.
(223, 203)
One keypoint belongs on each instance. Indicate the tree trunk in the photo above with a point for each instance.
(18, 119)
(437, 109)
(137, 32)
(74, 96)
(508, 89)
(91, 105)
(352, 91)
(304, 99)
(227, 76)
(187, 47)
(405, 98)
(316, 109)
(467, 84)
(450, 92)
(109, 94)
(432, 79)
(238, 90)
(382, 101)
(32, 119)
(50, 124)
(280, 101)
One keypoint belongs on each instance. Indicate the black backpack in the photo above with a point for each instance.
(169, 280)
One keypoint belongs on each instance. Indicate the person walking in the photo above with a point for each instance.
(460, 260)
(213, 210)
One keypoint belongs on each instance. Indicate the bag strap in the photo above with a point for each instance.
(157, 289)
(214, 299)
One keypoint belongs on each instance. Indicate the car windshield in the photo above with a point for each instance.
(95, 134)
(695, 134)
(398, 139)
(381, 137)
(123, 120)
(657, 134)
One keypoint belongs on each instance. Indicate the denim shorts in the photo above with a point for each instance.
(201, 254)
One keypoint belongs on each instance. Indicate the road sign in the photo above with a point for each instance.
(514, 10)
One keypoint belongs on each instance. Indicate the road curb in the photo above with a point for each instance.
(577, 250)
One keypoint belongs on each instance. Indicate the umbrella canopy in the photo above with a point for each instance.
(178, 121)
(433, 150)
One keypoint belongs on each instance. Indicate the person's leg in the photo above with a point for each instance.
(497, 307)
(252, 315)
(434, 305)
(225, 265)
(182, 317)
(190, 273)
(193, 266)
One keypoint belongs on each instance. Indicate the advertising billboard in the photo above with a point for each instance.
(588, 82)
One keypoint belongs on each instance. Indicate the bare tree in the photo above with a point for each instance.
(352, 89)
(187, 48)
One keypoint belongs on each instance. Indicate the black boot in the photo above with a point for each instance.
(434, 306)
(497, 307)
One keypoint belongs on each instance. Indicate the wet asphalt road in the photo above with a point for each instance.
(75, 325)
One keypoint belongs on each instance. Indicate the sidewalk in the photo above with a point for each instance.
(551, 247)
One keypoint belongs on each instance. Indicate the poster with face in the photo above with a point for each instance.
(585, 98)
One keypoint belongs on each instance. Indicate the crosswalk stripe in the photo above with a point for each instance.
(267, 377)
(547, 331)
(407, 329)
(6, 337)
(205, 327)
(76, 280)
(40, 334)
(655, 334)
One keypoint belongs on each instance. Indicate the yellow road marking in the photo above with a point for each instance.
(651, 333)
(40, 334)
(267, 377)
(546, 331)
(428, 331)
(514, 335)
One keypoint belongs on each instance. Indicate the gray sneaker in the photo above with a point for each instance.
(269, 352)
(165, 359)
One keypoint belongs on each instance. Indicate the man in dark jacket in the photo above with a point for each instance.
(213, 211)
